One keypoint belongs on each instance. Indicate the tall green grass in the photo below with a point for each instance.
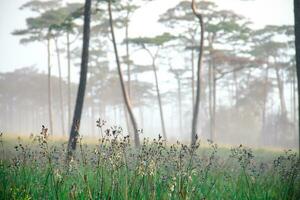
(112, 169)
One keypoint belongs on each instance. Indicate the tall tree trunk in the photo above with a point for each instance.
(213, 138)
(127, 121)
(61, 100)
(264, 118)
(82, 82)
(161, 112)
(297, 43)
(193, 73)
(49, 86)
(294, 103)
(281, 93)
(129, 127)
(127, 54)
(69, 79)
(210, 104)
(179, 103)
(125, 95)
(197, 103)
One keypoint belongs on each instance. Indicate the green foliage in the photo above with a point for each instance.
(111, 169)
(155, 41)
(51, 19)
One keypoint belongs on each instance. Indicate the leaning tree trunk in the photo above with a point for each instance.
(127, 54)
(197, 103)
(129, 127)
(49, 86)
(61, 100)
(161, 112)
(297, 42)
(125, 95)
(82, 83)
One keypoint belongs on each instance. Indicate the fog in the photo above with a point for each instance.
(248, 78)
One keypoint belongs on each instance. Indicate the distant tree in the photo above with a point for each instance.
(182, 16)
(39, 29)
(178, 73)
(70, 12)
(45, 27)
(82, 82)
(124, 92)
(272, 53)
(126, 9)
(157, 42)
(197, 102)
(26, 110)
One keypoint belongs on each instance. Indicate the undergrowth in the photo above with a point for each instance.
(113, 169)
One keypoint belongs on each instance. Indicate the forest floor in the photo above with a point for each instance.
(110, 168)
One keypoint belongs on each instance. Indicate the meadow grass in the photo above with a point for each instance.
(110, 168)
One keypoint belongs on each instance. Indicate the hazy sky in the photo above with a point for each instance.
(144, 22)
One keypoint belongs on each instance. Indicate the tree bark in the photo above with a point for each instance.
(197, 103)
(61, 100)
(125, 95)
(49, 86)
(82, 83)
(297, 43)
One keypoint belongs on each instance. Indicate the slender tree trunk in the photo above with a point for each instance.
(197, 103)
(210, 104)
(264, 118)
(127, 121)
(129, 127)
(82, 83)
(193, 73)
(127, 54)
(297, 43)
(125, 95)
(161, 112)
(294, 104)
(61, 100)
(179, 104)
(213, 138)
(69, 79)
(49, 86)
(281, 94)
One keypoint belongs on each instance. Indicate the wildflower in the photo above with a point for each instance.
(172, 188)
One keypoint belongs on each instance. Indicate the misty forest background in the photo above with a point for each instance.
(248, 77)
